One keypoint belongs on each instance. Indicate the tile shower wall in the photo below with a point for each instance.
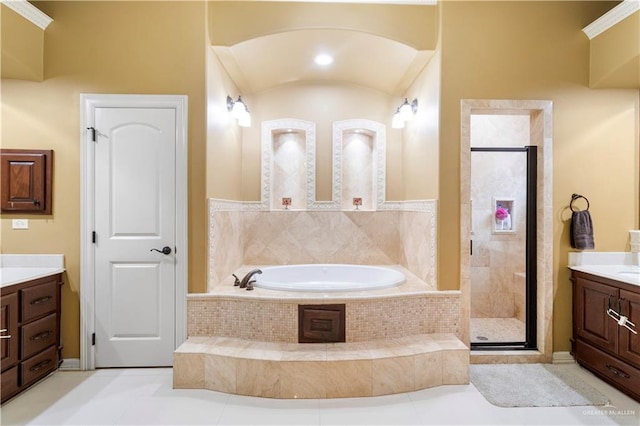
(498, 260)
(239, 236)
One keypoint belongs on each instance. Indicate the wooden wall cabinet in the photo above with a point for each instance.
(27, 179)
(599, 344)
(30, 347)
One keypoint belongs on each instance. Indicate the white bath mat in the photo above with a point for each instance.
(533, 385)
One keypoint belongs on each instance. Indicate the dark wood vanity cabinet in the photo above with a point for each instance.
(30, 346)
(599, 344)
(629, 345)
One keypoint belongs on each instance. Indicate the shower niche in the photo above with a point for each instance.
(503, 220)
(288, 178)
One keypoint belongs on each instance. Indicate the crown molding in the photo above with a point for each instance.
(391, 2)
(611, 18)
(29, 12)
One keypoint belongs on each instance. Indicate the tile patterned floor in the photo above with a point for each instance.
(496, 330)
(146, 397)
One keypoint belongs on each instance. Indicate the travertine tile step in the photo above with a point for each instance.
(327, 370)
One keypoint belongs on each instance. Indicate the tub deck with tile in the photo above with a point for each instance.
(320, 370)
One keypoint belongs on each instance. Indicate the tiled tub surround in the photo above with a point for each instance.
(241, 234)
(398, 339)
(270, 315)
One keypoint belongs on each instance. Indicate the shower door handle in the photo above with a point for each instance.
(470, 247)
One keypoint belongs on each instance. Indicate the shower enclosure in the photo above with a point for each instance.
(503, 247)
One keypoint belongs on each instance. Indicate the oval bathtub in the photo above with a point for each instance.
(328, 277)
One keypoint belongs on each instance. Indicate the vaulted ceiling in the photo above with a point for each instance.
(358, 58)
(268, 44)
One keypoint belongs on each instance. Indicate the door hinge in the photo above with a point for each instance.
(93, 339)
(93, 133)
(93, 237)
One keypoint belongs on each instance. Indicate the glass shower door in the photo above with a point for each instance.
(503, 247)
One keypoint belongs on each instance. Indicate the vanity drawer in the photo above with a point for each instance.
(38, 335)
(609, 367)
(40, 365)
(39, 300)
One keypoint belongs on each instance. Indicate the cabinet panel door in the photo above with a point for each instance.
(9, 383)
(593, 299)
(629, 346)
(26, 181)
(9, 322)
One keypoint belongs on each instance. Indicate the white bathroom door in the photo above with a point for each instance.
(135, 208)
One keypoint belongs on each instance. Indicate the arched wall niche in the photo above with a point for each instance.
(285, 139)
(359, 150)
(353, 134)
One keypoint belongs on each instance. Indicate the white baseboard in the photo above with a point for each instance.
(562, 358)
(70, 364)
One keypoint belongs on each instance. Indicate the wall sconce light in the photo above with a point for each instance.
(405, 112)
(239, 111)
(397, 122)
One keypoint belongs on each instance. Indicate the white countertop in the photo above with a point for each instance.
(15, 269)
(620, 266)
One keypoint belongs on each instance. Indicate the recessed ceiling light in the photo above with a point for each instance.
(323, 59)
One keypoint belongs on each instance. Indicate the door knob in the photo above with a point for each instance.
(165, 250)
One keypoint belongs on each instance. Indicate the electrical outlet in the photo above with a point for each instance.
(20, 224)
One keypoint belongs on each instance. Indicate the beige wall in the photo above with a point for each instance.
(536, 50)
(22, 47)
(224, 136)
(615, 55)
(231, 22)
(421, 136)
(104, 47)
